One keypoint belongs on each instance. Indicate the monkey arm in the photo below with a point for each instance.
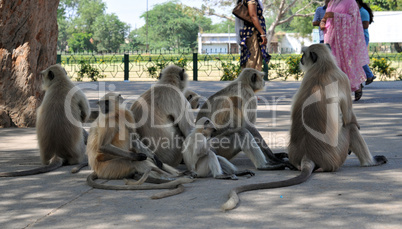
(186, 123)
(115, 151)
(83, 104)
(138, 147)
(348, 116)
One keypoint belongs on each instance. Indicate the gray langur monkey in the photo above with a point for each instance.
(193, 98)
(163, 116)
(111, 156)
(201, 161)
(233, 110)
(324, 127)
(59, 131)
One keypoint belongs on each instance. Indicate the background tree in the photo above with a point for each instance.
(88, 11)
(223, 27)
(66, 13)
(28, 41)
(385, 5)
(84, 25)
(276, 12)
(109, 33)
(173, 26)
(134, 42)
(80, 42)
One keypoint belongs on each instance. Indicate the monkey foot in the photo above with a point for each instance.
(227, 177)
(380, 159)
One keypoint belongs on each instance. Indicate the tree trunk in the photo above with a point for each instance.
(28, 42)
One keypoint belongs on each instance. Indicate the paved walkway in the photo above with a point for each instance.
(353, 197)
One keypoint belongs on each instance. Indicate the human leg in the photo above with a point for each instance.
(255, 59)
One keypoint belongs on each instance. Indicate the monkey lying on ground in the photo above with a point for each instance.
(324, 127)
(109, 153)
(61, 138)
(163, 116)
(239, 126)
(201, 161)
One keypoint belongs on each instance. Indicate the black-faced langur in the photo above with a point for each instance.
(61, 138)
(201, 161)
(193, 98)
(238, 127)
(163, 116)
(111, 156)
(324, 128)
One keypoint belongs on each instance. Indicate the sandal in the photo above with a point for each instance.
(359, 93)
(370, 80)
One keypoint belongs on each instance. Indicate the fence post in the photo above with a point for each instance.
(58, 59)
(126, 67)
(195, 66)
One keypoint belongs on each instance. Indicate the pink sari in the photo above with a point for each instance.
(345, 34)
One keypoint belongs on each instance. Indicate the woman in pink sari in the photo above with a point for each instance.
(344, 32)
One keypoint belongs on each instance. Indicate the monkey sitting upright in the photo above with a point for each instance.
(163, 115)
(201, 161)
(109, 149)
(61, 138)
(233, 110)
(324, 128)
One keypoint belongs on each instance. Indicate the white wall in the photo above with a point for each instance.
(386, 27)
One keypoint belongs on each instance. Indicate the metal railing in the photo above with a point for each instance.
(139, 65)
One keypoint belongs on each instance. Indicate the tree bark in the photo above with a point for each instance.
(28, 43)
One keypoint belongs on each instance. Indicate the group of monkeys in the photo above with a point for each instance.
(126, 143)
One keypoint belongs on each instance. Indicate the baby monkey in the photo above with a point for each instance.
(201, 161)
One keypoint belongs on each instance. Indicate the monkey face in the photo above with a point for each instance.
(257, 80)
(193, 99)
(175, 75)
(316, 55)
(110, 103)
(52, 74)
(206, 126)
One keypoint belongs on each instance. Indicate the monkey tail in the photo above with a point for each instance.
(77, 168)
(179, 189)
(307, 169)
(168, 185)
(54, 164)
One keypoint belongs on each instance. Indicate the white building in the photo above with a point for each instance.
(386, 27)
(217, 43)
(221, 43)
(292, 43)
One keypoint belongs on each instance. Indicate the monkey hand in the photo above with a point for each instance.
(281, 155)
(157, 162)
(245, 172)
(380, 159)
(138, 156)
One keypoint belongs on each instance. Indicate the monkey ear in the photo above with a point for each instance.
(313, 56)
(51, 75)
(160, 76)
(254, 77)
(302, 59)
(329, 46)
(181, 74)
